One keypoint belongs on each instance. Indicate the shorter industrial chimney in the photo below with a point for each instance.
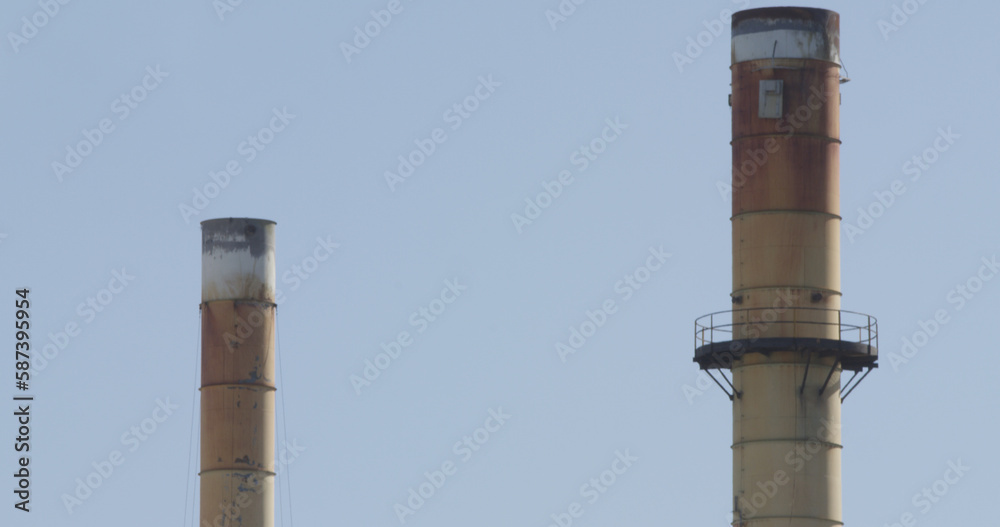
(237, 373)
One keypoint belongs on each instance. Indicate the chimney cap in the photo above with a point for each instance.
(786, 32)
(238, 260)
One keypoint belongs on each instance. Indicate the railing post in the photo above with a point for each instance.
(869, 334)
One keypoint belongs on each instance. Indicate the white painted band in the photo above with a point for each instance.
(783, 44)
(238, 261)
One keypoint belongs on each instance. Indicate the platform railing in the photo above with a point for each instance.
(851, 326)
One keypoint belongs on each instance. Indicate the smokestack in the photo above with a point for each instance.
(237, 373)
(786, 340)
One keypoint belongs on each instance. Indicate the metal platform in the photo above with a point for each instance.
(854, 356)
(856, 350)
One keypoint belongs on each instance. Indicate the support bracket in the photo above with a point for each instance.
(827, 381)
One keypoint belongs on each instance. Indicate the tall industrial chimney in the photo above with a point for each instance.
(786, 340)
(237, 379)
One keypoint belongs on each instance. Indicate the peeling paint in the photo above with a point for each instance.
(228, 235)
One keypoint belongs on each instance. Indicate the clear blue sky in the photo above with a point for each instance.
(163, 94)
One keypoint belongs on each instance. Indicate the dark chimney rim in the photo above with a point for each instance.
(771, 18)
(232, 219)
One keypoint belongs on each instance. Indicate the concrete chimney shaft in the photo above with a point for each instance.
(237, 364)
(786, 340)
(786, 262)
